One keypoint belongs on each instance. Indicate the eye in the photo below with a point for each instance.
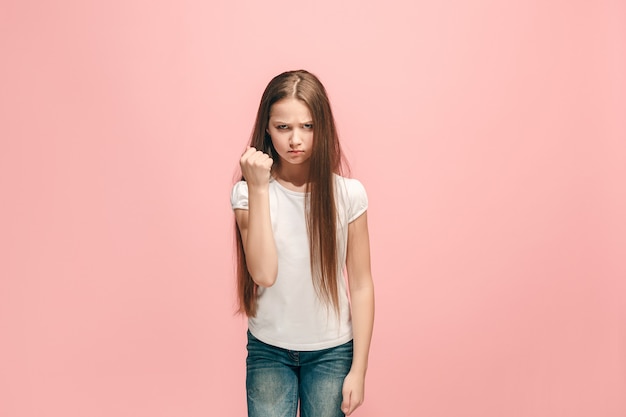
(308, 126)
(282, 127)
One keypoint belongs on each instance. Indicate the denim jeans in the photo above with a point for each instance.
(276, 379)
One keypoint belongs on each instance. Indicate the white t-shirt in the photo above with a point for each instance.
(290, 315)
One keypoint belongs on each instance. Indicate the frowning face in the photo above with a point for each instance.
(291, 129)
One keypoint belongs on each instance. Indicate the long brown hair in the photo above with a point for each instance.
(326, 160)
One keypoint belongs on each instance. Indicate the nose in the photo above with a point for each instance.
(295, 138)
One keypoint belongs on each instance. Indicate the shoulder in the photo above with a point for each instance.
(240, 185)
(350, 186)
(239, 195)
(352, 195)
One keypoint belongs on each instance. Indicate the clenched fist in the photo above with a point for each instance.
(256, 167)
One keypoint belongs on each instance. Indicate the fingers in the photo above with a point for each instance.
(345, 404)
(352, 397)
(253, 157)
(255, 166)
(250, 151)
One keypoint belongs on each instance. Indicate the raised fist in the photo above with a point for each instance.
(256, 167)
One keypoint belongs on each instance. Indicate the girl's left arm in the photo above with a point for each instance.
(362, 301)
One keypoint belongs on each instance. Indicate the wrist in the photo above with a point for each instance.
(358, 370)
(258, 188)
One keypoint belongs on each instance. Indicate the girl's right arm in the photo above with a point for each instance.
(254, 224)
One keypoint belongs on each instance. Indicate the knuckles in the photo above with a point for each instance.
(253, 159)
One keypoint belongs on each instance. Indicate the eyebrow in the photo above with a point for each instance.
(286, 123)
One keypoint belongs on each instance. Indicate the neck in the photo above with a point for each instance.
(295, 176)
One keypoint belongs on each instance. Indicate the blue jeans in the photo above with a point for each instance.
(276, 379)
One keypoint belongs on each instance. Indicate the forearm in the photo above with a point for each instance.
(362, 325)
(260, 248)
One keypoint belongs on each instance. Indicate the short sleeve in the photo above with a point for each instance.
(239, 196)
(357, 197)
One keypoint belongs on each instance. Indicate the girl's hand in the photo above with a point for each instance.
(353, 392)
(256, 167)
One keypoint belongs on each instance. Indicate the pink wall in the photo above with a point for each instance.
(491, 137)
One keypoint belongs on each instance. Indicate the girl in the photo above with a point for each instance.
(299, 224)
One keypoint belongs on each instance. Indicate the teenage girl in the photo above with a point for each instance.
(299, 224)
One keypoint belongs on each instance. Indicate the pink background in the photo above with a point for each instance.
(491, 137)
